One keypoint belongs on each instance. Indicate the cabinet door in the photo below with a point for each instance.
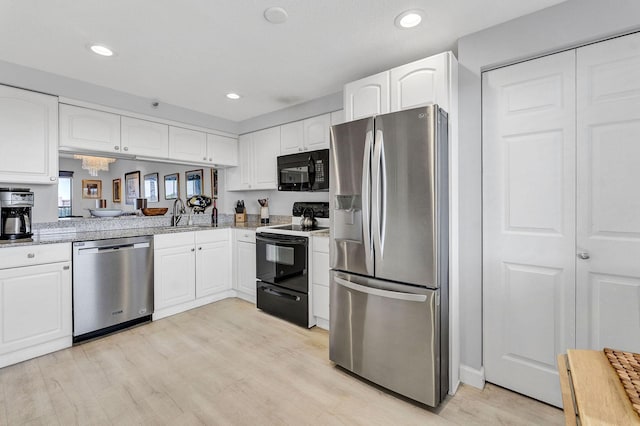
(320, 279)
(239, 178)
(291, 138)
(174, 275)
(142, 137)
(187, 145)
(246, 272)
(421, 83)
(266, 148)
(213, 267)
(28, 136)
(86, 129)
(608, 233)
(222, 150)
(316, 132)
(367, 97)
(35, 302)
(529, 223)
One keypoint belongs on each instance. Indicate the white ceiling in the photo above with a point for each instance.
(190, 53)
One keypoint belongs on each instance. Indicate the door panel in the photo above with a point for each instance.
(349, 199)
(404, 174)
(529, 223)
(608, 200)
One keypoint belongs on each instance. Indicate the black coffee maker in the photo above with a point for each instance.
(15, 213)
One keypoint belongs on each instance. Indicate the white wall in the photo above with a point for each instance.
(569, 24)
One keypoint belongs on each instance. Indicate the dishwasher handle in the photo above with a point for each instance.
(113, 248)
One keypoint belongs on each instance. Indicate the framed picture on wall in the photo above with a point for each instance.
(194, 182)
(214, 183)
(172, 186)
(117, 190)
(151, 187)
(131, 187)
(91, 189)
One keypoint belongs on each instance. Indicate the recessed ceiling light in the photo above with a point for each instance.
(409, 18)
(233, 96)
(101, 50)
(276, 15)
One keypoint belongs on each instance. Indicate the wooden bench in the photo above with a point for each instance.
(592, 393)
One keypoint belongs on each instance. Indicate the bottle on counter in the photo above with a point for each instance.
(214, 213)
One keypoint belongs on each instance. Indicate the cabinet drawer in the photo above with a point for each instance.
(321, 301)
(13, 257)
(173, 240)
(321, 244)
(248, 236)
(212, 236)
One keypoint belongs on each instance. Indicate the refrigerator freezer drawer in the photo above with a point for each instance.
(387, 333)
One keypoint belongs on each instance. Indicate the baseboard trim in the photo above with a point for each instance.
(471, 376)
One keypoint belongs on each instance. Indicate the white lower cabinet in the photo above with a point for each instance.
(190, 269)
(245, 264)
(35, 302)
(320, 280)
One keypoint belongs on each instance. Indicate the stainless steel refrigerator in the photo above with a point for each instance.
(389, 251)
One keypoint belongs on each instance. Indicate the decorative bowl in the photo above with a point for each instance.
(105, 212)
(154, 211)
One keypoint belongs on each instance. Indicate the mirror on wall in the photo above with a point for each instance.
(194, 182)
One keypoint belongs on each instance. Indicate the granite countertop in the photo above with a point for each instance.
(73, 236)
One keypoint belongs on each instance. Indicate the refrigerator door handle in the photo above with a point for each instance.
(383, 196)
(409, 297)
(376, 208)
(366, 191)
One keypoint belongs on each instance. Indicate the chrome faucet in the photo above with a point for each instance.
(178, 211)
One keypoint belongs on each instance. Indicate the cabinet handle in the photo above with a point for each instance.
(193, 249)
(65, 268)
(204, 158)
(126, 148)
(210, 159)
(584, 255)
(53, 178)
(117, 148)
(199, 248)
(31, 255)
(299, 149)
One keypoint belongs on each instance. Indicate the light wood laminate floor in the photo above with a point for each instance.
(228, 363)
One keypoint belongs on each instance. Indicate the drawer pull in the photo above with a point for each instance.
(31, 255)
(65, 268)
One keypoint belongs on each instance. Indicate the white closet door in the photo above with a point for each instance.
(608, 282)
(529, 223)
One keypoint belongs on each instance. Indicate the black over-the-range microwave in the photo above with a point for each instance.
(304, 171)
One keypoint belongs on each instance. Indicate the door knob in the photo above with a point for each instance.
(583, 255)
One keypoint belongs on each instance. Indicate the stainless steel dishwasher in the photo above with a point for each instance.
(112, 285)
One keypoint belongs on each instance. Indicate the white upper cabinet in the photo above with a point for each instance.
(366, 97)
(316, 132)
(222, 150)
(423, 82)
(28, 136)
(143, 137)
(187, 145)
(305, 135)
(291, 137)
(420, 83)
(266, 146)
(238, 178)
(84, 129)
(337, 117)
(258, 152)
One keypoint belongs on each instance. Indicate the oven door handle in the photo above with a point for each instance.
(280, 294)
(275, 240)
